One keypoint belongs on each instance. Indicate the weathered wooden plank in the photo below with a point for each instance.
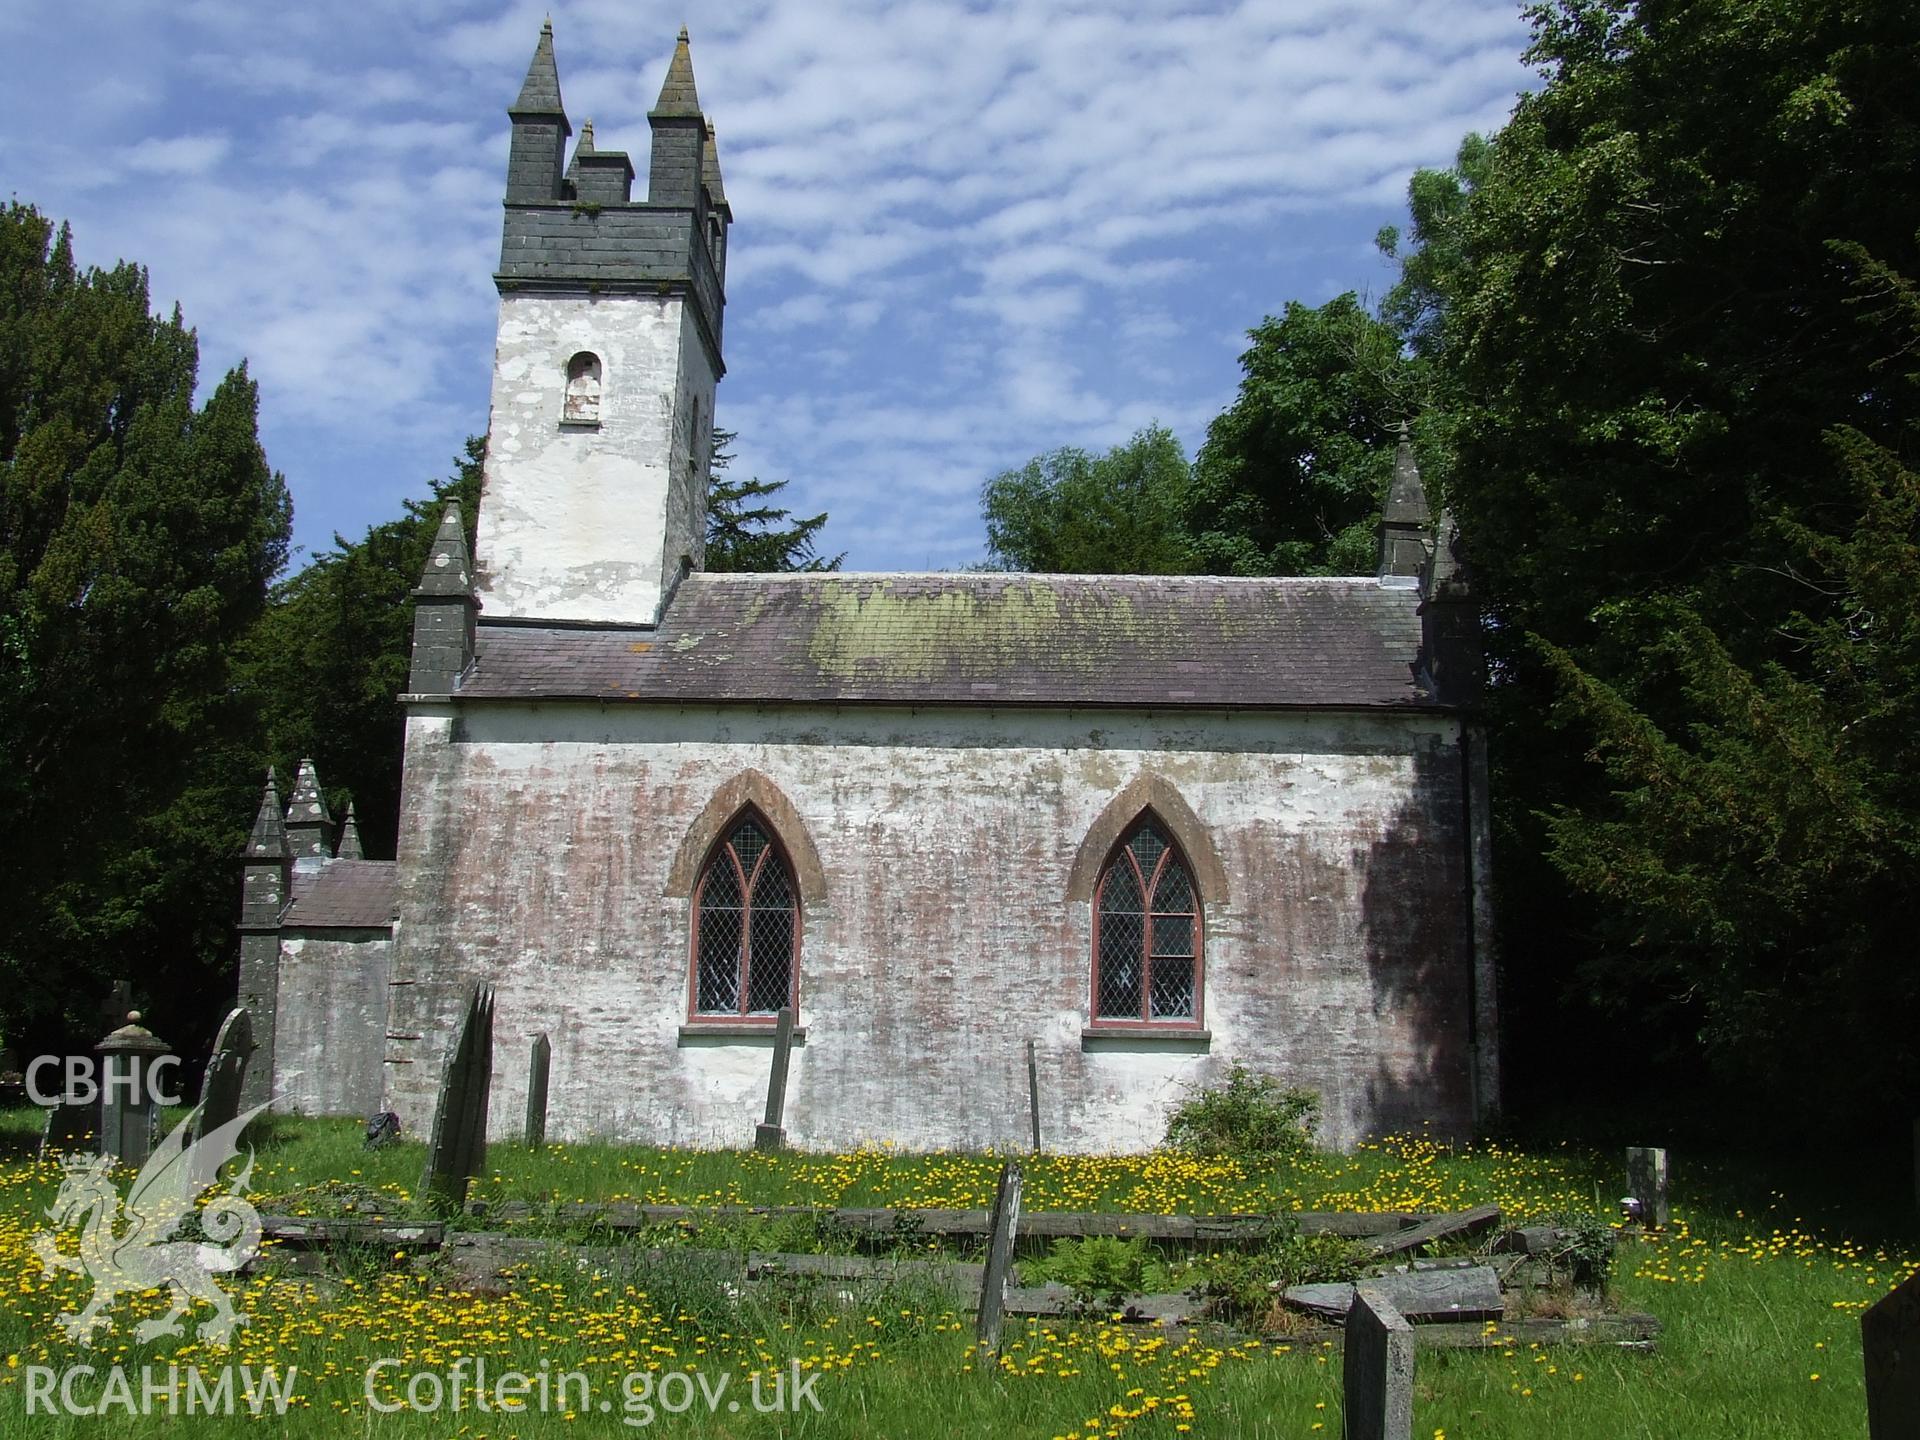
(1441, 1227)
(1422, 1296)
(969, 1224)
(400, 1234)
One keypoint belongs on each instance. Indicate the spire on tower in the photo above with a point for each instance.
(444, 611)
(677, 96)
(448, 571)
(540, 94)
(1405, 518)
(307, 817)
(710, 173)
(269, 838)
(349, 838)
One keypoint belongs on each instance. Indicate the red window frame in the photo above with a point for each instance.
(1122, 853)
(722, 851)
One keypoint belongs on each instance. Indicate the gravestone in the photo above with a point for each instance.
(457, 1150)
(226, 1073)
(1033, 1095)
(538, 1066)
(383, 1128)
(771, 1134)
(1378, 1369)
(129, 1110)
(72, 1129)
(1002, 1230)
(1647, 1184)
(1890, 1350)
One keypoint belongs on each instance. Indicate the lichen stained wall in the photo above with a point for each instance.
(573, 517)
(330, 1039)
(538, 842)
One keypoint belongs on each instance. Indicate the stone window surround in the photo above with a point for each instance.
(595, 371)
(715, 1021)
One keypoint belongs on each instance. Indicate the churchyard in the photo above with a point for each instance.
(557, 1260)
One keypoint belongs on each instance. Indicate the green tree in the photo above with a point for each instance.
(1644, 304)
(1292, 475)
(744, 534)
(1069, 512)
(329, 660)
(138, 534)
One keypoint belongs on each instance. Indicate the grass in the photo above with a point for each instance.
(1761, 1303)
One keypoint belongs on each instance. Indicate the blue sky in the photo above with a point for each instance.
(965, 233)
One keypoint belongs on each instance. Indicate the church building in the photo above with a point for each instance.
(1154, 825)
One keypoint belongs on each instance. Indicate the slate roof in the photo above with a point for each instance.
(342, 895)
(980, 639)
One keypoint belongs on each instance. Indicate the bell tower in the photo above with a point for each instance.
(593, 502)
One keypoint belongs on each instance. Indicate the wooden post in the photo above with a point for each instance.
(1647, 1183)
(538, 1065)
(771, 1133)
(1377, 1378)
(1033, 1096)
(1004, 1227)
(458, 1150)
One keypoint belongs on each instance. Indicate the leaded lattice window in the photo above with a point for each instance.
(746, 931)
(1146, 963)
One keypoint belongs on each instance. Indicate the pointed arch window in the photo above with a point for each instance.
(1146, 933)
(582, 405)
(746, 927)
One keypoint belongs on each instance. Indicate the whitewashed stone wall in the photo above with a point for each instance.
(574, 517)
(330, 1033)
(538, 840)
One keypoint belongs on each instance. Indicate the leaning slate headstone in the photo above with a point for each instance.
(1890, 1349)
(1378, 1366)
(538, 1066)
(226, 1073)
(457, 1150)
(771, 1133)
(1003, 1229)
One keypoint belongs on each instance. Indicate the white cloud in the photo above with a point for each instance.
(179, 155)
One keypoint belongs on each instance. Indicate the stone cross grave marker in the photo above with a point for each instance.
(1647, 1184)
(1890, 1350)
(771, 1134)
(457, 1150)
(538, 1065)
(1002, 1231)
(1377, 1382)
(226, 1073)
